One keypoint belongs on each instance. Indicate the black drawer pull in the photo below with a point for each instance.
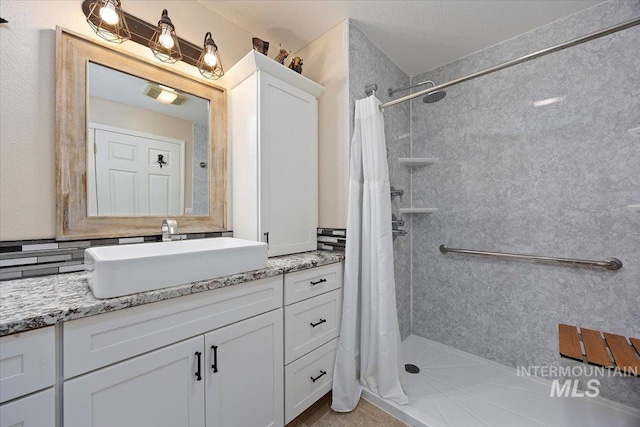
(322, 373)
(215, 358)
(318, 282)
(199, 372)
(313, 325)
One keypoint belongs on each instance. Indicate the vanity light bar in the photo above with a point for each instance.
(142, 33)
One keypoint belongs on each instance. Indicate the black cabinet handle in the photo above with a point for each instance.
(313, 325)
(215, 358)
(322, 373)
(318, 282)
(199, 372)
(266, 235)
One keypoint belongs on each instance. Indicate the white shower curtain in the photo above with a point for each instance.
(369, 344)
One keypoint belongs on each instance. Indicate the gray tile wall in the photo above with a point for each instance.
(367, 65)
(551, 180)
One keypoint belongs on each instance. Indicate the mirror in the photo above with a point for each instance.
(147, 147)
(124, 159)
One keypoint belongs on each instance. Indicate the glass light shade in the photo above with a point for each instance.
(164, 43)
(209, 63)
(107, 20)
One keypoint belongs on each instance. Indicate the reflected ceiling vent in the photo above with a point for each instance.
(164, 94)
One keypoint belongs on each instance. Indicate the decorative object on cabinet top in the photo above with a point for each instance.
(260, 45)
(27, 304)
(296, 65)
(254, 61)
(282, 56)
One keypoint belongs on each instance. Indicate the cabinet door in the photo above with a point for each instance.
(244, 377)
(35, 410)
(288, 144)
(157, 389)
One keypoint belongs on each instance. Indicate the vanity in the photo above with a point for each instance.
(250, 349)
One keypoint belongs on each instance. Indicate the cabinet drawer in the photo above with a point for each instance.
(301, 391)
(37, 410)
(305, 284)
(98, 341)
(311, 323)
(27, 362)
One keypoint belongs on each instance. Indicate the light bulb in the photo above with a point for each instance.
(165, 38)
(108, 13)
(167, 97)
(210, 58)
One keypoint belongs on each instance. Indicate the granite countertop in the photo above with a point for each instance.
(33, 303)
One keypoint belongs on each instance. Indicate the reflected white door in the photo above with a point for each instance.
(137, 174)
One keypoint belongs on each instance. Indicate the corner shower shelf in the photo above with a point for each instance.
(417, 210)
(417, 161)
(634, 207)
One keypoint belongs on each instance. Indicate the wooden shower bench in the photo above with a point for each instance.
(614, 351)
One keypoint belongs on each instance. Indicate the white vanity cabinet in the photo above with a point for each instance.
(273, 125)
(27, 365)
(312, 315)
(202, 359)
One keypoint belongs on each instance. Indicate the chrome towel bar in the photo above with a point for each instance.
(609, 263)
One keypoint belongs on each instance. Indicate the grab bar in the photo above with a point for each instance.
(609, 263)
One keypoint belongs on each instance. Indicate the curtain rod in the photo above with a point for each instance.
(592, 36)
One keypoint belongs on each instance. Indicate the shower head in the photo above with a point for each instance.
(434, 97)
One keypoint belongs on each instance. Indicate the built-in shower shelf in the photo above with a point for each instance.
(417, 210)
(417, 161)
(634, 207)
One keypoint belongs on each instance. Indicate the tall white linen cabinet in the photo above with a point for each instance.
(273, 126)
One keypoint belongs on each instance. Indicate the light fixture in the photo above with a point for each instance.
(549, 101)
(164, 44)
(164, 94)
(209, 63)
(107, 20)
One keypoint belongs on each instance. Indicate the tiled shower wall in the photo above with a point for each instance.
(367, 65)
(552, 180)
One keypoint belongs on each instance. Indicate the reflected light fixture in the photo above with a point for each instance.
(209, 63)
(164, 94)
(164, 43)
(107, 20)
(549, 101)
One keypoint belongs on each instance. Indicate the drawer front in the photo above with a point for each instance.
(311, 323)
(97, 341)
(27, 362)
(305, 284)
(301, 391)
(37, 410)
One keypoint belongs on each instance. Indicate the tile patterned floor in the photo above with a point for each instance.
(365, 415)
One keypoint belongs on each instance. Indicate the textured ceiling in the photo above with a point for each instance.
(416, 35)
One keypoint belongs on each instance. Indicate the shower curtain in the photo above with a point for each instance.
(369, 344)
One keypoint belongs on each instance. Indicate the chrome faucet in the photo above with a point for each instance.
(170, 231)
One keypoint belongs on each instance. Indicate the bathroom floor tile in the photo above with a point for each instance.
(365, 415)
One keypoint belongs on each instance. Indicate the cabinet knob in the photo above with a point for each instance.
(215, 358)
(322, 373)
(199, 371)
(313, 325)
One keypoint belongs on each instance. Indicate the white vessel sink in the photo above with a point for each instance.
(122, 270)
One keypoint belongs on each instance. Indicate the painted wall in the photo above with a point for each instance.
(124, 116)
(27, 95)
(325, 63)
(367, 64)
(551, 180)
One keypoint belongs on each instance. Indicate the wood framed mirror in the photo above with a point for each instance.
(96, 199)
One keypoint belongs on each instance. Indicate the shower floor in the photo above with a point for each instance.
(458, 389)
